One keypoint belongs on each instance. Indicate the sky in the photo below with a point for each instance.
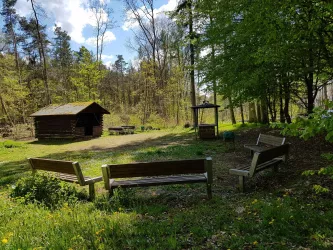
(74, 17)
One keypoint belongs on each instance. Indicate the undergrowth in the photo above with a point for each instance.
(46, 191)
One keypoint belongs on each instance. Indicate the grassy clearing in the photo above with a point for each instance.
(169, 217)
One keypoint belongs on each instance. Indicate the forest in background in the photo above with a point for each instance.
(261, 58)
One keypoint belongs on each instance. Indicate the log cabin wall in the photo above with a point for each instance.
(54, 127)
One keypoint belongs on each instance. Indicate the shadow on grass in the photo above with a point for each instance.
(167, 147)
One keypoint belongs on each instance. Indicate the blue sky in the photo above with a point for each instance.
(75, 18)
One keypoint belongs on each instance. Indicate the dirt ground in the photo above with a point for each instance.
(304, 155)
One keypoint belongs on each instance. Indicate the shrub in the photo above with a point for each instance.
(45, 190)
(318, 122)
(121, 199)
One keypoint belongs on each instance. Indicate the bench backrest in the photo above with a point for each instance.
(271, 140)
(63, 167)
(267, 155)
(142, 169)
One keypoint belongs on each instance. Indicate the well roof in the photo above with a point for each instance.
(70, 109)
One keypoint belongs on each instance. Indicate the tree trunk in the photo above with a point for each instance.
(252, 113)
(192, 55)
(282, 116)
(242, 113)
(286, 102)
(310, 96)
(264, 111)
(259, 118)
(325, 96)
(42, 57)
(232, 113)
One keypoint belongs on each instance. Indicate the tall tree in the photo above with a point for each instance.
(10, 21)
(185, 12)
(62, 62)
(103, 22)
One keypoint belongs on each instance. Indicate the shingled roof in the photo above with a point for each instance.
(70, 109)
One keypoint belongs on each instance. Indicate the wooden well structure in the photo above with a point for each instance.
(206, 131)
(69, 121)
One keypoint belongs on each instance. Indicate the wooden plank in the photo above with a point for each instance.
(89, 180)
(209, 176)
(268, 164)
(271, 140)
(158, 181)
(106, 176)
(272, 153)
(157, 168)
(78, 172)
(235, 171)
(256, 148)
(68, 178)
(65, 167)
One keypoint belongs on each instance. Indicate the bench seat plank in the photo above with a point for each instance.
(158, 181)
(245, 171)
(73, 178)
(241, 172)
(269, 164)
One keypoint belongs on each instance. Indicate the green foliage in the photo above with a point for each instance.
(11, 144)
(320, 190)
(45, 190)
(317, 123)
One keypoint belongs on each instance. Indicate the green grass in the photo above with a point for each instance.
(169, 217)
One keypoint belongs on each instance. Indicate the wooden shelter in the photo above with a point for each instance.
(71, 120)
(206, 131)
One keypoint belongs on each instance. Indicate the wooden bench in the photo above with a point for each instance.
(66, 171)
(260, 161)
(122, 130)
(116, 130)
(264, 142)
(159, 173)
(129, 129)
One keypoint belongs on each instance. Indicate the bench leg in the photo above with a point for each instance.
(209, 191)
(110, 193)
(241, 183)
(92, 191)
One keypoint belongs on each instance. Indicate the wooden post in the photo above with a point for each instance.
(32, 166)
(241, 183)
(78, 172)
(92, 191)
(209, 170)
(105, 172)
